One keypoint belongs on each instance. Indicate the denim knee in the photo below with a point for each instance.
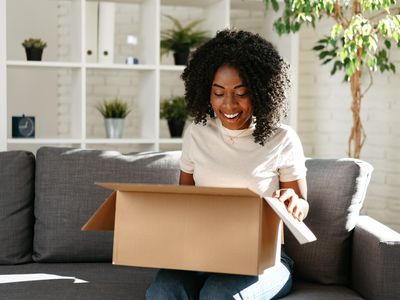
(165, 287)
(175, 285)
(160, 291)
(214, 290)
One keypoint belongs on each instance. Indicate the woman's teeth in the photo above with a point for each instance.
(231, 116)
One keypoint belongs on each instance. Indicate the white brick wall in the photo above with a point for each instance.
(64, 80)
(325, 122)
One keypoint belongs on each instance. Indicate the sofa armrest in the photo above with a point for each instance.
(375, 260)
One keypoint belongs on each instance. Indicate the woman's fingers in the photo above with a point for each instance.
(292, 203)
(298, 214)
(276, 194)
(284, 194)
(291, 199)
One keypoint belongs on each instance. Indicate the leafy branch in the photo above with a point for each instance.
(363, 35)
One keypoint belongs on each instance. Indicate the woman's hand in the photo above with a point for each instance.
(296, 206)
(186, 179)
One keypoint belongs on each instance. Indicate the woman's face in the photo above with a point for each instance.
(230, 99)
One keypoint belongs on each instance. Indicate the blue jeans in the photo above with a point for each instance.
(274, 283)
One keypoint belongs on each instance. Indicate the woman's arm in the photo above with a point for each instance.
(186, 179)
(293, 194)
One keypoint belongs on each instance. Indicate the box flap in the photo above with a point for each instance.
(103, 218)
(177, 189)
(301, 232)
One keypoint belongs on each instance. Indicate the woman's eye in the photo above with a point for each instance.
(242, 94)
(218, 94)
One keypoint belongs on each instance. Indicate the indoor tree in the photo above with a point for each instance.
(361, 37)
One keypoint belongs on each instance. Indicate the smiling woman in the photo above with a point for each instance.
(236, 91)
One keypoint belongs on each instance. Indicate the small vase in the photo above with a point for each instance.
(181, 58)
(176, 127)
(34, 53)
(114, 128)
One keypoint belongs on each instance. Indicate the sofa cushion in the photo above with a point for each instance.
(17, 182)
(102, 281)
(336, 191)
(66, 197)
(303, 290)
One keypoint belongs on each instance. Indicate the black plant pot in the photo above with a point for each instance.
(176, 127)
(34, 53)
(181, 58)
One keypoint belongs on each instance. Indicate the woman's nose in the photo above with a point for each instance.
(230, 100)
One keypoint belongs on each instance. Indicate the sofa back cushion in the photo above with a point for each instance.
(66, 197)
(17, 182)
(336, 191)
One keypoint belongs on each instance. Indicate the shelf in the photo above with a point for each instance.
(84, 141)
(42, 64)
(48, 64)
(170, 141)
(172, 68)
(120, 141)
(121, 67)
(194, 3)
(54, 141)
(120, 1)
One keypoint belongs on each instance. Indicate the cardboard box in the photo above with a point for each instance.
(228, 230)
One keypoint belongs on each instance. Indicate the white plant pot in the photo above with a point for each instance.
(114, 128)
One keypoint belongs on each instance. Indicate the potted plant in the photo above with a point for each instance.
(34, 48)
(180, 39)
(114, 112)
(174, 111)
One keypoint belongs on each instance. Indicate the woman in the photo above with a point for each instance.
(236, 86)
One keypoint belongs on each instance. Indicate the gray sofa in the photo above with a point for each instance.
(45, 199)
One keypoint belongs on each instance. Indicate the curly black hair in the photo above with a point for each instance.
(261, 68)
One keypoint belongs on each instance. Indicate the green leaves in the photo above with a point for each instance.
(299, 12)
(328, 48)
(274, 3)
(381, 61)
(336, 31)
(115, 108)
(182, 38)
(356, 39)
(34, 43)
(174, 109)
(389, 27)
(370, 5)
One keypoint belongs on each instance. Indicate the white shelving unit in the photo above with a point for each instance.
(34, 88)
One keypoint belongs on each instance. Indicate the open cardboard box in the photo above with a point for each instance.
(228, 230)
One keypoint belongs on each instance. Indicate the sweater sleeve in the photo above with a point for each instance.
(292, 162)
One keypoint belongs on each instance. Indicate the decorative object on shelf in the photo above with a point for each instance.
(114, 112)
(132, 41)
(92, 20)
(34, 48)
(106, 32)
(174, 111)
(181, 39)
(23, 126)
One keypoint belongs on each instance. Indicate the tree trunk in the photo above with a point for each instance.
(357, 134)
